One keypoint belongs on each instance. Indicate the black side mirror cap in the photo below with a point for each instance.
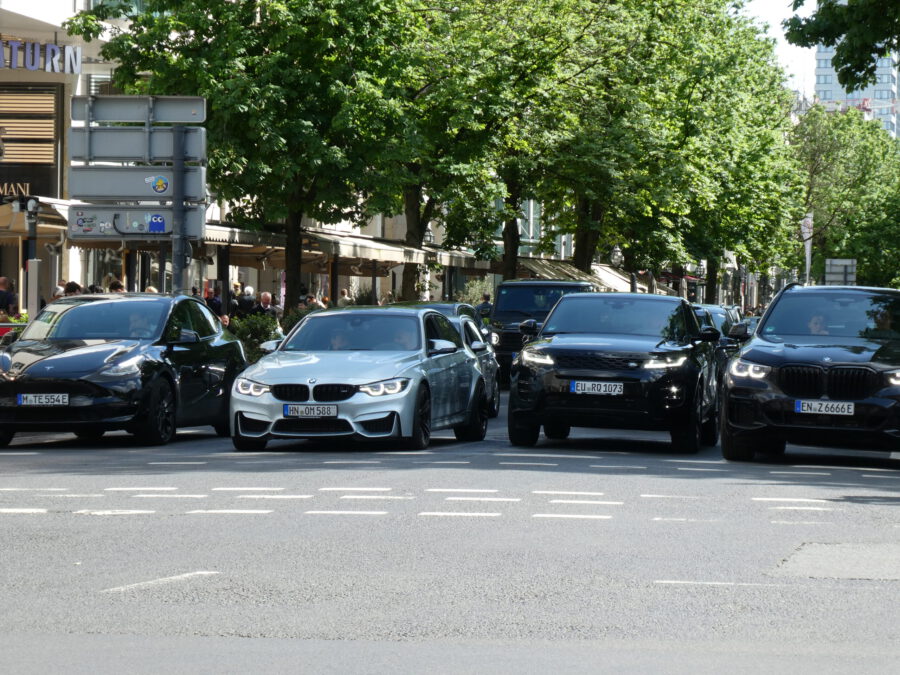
(529, 327)
(709, 334)
(186, 337)
(739, 331)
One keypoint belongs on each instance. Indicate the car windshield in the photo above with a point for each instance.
(618, 314)
(517, 303)
(351, 331)
(133, 319)
(857, 314)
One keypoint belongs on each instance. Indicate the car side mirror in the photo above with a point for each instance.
(709, 334)
(187, 337)
(478, 346)
(9, 338)
(529, 327)
(269, 346)
(739, 331)
(436, 347)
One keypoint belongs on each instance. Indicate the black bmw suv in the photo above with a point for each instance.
(822, 368)
(616, 360)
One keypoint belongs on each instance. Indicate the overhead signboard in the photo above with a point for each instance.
(116, 222)
(129, 144)
(134, 183)
(840, 271)
(148, 109)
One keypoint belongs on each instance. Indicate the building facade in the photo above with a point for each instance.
(879, 100)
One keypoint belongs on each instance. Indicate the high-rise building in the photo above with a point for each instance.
(878, 100)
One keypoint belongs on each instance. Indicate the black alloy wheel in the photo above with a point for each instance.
(557, 432)
(158, 425)
(494, 401)
(734, 448)
(421, 431)
(92, 435)
(686, 436)
(522, 433)
(475, 427)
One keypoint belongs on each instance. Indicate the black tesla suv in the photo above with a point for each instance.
(616, 360)
(822, 368)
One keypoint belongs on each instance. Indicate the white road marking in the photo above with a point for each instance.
(407, 452)
(789, 499)
(17, 454)
(668, 497)
(583, 501)
(875, 475)
(482, 499)
(113, 512)
(684, 520)
(799, 522)
(347, 513)
(685, 468)
(458, 490)
(231, 511)
(461, 514)
(527, 464)
(569, 515)
(157, 582)
(800, 508)
(247, 489)
(802, 473)
(447, 462)
(353, 461)
(274, 497)
(562, 492)
(153, 496)
(157, 463)
(615, 466)
(695, 461)
(138, 489)
(535, 455)
(23, 511)
(354, 489)
(34, 489)
(71, 495)
(374, 497)
(715, 583)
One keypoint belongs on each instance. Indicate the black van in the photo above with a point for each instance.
(522, 299)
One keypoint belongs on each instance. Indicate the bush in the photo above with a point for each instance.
(291, 317)
(252, 330)
(476, 288)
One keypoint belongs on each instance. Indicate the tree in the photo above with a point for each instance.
(293, 93)
(860, 31)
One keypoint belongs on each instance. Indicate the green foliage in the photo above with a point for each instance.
(475, 288)
(291, 317)
(252, 330)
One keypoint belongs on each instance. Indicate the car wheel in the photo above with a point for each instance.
(686, 436)
(90, 434)
(421, 431)
(494, 402)
(709, 430)
(734, 449)
(475, 428)
(521, 433)
(6, 438)
(158, 425)
(557, 432)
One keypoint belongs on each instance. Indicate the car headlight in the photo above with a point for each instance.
(666, 361)
(741, 368)
(495, 339)
(893, 377)
(250, 388)
(536, 358)
(385, 387)
(126, 368)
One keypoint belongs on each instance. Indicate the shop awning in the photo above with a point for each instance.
(346, 245)
(615, 280)
(51, 224)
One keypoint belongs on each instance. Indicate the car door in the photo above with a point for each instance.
(215, 362)
(486, 357)
(188, 360)
(439, 368)
(461, 364)
(705, 353)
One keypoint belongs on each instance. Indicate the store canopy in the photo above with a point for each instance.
(615, 280)
(345, 245)
(51, 224)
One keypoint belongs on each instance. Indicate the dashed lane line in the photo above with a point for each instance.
(158, 582)
(461, 490)
(230, 511)
(17, 454)
(178, 463)
(247, 489)
(346, 513)
(352, 461)
(459, 514)
(34, 489)
(584, 501)
(692, 468)
(876, 475)
(614, 466)
(527, 464)
(576, 516)
(75, 496)
(482, 499)
(565, 492)
(535, 455)
(113, 512)
(355, 489)
(374, 497)
(789, 499)
(274, 497)
(800, 473)
(139, 489)
(164, 496)
(446, 462)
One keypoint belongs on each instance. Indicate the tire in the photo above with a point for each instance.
(734, 449)
(709, 430)
(494, 400)
(686, 436)
(90, 434)
(6, 437)
(421, 431)
(475, 428)
(159, 425)
(557, 432)
(521, 433)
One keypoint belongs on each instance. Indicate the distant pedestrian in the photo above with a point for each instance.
(246, 302)
(151, 289)
(344, 298)
(8, 300)
(484, 307)
(116, 286)
(72, 288)
(265, 306)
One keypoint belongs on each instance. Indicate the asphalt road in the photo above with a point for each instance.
(603, 553)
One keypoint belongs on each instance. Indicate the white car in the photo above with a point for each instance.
(391, 372)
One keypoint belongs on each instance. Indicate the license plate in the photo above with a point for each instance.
(602, 388)
(823, 407)
(42, 399)
(295, 410)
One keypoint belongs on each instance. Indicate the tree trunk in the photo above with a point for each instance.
(712, 280)
(511, 238)
(587, 234)
(293, 260)
(415, 234)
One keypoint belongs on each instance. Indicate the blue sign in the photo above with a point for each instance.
(156, 223)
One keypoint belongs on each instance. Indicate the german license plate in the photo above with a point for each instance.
(824, 407)
(299, 410)
(602, 388)
(42, 399)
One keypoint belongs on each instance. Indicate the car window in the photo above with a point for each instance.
(472, 333)
(618, 314)
(444, 330)
(202, 319)
(179, 321)
(356, 331)
(465, 310)
(839, 313)
(530, 301)
(105, 320)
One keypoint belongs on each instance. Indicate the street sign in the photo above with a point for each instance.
(117, 222)
(134, 183)
(840, 271)
(147, 109)
(129, 144)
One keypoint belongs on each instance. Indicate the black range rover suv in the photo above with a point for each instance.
(822, 368)
(620, 361)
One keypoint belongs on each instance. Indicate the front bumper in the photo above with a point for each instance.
(361, 415)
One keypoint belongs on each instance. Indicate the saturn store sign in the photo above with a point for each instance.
(50, 58)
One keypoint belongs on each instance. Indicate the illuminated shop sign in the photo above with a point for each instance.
(36, 56)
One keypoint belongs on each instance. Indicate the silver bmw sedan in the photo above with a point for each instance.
(366, 373)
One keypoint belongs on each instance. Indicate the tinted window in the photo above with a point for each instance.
(524, 302)
(444, 330)
(618, 314)
(105, 320)
(472, 333)
(352, 331)
(873, 316)
(202, 319)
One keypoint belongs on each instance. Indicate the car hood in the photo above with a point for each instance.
(613, 344)
(824, 349)
(62, 358)
(348, 367)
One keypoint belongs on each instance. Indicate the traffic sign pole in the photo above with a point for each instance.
(180, 246)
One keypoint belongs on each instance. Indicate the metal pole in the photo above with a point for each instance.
(180, 247)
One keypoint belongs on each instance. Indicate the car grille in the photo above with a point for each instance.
(595, 361)
(333, 392)
(847, 384)
(383, 425)
(313, 426)
(291, 392)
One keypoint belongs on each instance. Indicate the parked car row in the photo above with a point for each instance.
(822, 366)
